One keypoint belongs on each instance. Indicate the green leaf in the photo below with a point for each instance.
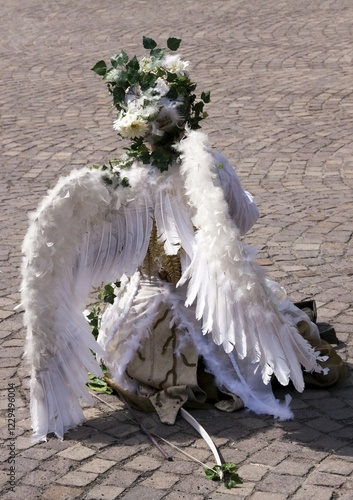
(132, 76)
(230, 476)
(96, 387)
(132, 71)
(112, 75)
(171, 77)
(157, 53)
(120, 59)
(97, 382)
(148, 43)
(161, 158)
(198, 107)
(109, 298)
(147, 80)
(117, 76)
(100, 68)
(108, 289)
(230, 484)
(172, 94)
(229, 467)
(173, 43)
(206, 97)
(118, 95)
(133, 63)
(212, 474)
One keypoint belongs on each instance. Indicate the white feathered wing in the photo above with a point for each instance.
(82, 235)
(229, 288)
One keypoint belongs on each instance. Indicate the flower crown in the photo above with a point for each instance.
(155, 100)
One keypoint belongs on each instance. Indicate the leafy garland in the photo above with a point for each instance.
(140, 90)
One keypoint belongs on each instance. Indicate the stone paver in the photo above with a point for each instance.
(280, 75)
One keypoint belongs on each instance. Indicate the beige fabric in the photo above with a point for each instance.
(165, 366)
(170, 374)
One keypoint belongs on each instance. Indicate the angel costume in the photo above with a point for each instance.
(191, 302)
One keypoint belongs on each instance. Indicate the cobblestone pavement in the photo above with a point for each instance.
(281, 74)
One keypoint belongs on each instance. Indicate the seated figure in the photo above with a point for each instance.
(194, 320)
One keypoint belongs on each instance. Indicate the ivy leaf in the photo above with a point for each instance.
(173, 43)
(148, 43)
(229, 467)
(112, 75)
(120, 59)
(161, 159)
(157, 53)
(99, 385)
(133, 64)
(206, 97)
(172, 94)
(230, 476)
(109, 294)
(147, 80)
(139, 150)
(198, 108)
(109, 298)
(171, 77)
(118, 95)
(231, 484)
(211, 474)
(100, 68)
(121, 77)
(132, 75)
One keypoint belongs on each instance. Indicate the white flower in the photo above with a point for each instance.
(174, 64)
(131, 126)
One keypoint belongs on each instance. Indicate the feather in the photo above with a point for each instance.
(204, 434)
(61, 263)
(240, 203)
(221, 260)
(165, 221)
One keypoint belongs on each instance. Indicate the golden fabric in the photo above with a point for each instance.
(168, 266)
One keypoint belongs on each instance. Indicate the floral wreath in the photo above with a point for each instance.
(155, 100)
